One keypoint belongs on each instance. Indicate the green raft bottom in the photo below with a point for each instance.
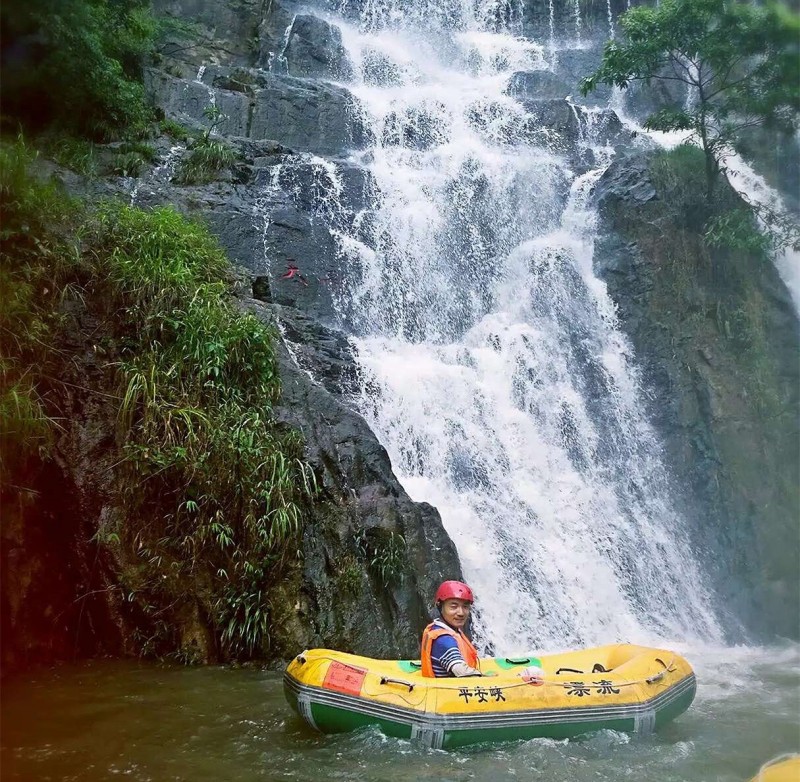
(333, 719)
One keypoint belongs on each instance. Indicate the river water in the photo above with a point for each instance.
(151, 723)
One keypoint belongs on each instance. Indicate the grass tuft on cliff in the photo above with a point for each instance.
(208, 490)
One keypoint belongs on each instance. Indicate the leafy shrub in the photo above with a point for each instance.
(131, 157)
(128, 164)
(75, 64)
(243, 615)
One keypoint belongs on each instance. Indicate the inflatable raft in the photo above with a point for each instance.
(785, 768)
(621, 687)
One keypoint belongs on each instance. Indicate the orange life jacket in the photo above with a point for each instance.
(434, 631)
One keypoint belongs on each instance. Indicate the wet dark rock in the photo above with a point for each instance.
(573, 65)
(593, 17)
(325, 353)
(554, 123)
(538, 85)
(314, 48)
(731, 437)
(302, 115)
(187, 101)
(308, 116)
(572, 129)
(626, 180)
(415, 128)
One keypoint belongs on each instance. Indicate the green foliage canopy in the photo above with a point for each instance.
(740, 60)
(76, 64)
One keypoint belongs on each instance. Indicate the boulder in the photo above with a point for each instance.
(308, 116)
(538, 85)
(314, 49)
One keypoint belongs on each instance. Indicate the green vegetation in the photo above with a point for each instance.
(74, 153)
(207, 157)
(204, 163)
(30, 254)
(740, 59)
(174, 130)
(383, 552)
(75, 65)
(209, 489)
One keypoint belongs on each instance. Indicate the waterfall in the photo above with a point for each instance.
(161, 173)
(610, 15)
(754, 189)
(278, 63)
(493, 368)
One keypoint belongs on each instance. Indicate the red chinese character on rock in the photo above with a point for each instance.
(293, 272)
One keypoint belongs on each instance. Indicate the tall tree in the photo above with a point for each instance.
(740, 61)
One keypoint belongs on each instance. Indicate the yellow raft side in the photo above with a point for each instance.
(633, 674)
(781, 769)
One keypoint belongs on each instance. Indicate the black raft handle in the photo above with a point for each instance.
(521, 661)
(388, 680)
(567, 670)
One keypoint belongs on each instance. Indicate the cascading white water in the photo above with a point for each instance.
(277, 62)
(161, 173)
(576, 12)
(494, 371)
(757, 192)
(610, 15)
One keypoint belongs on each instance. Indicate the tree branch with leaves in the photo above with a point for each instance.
(740, 62)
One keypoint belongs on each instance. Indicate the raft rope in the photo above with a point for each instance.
(668, 668)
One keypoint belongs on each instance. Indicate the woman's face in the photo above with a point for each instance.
(455, 612)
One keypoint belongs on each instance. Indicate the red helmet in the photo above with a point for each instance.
(457, 589)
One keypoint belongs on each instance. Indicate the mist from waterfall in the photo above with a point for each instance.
(493, 369)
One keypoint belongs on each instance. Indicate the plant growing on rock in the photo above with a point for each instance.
(384, 553)
(739, 60)
(208, 157)
(208, 491)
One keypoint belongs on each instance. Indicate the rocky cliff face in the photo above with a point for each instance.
(727, 424)
(371, 557)
(717, 340)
